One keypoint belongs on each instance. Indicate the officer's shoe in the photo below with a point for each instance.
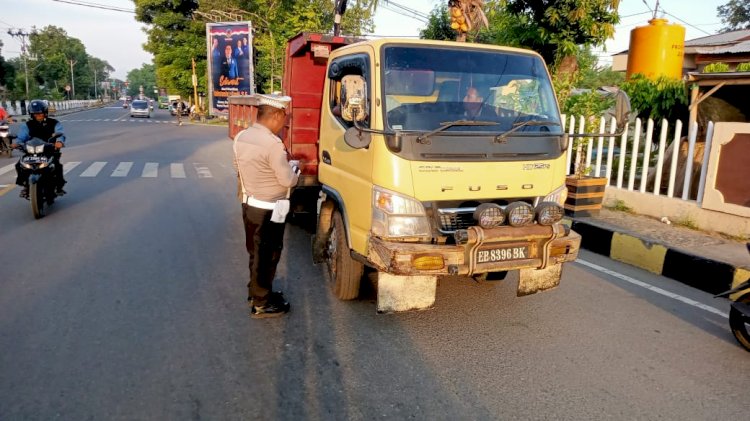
(59, 191)
(24, 193)
(275, 306)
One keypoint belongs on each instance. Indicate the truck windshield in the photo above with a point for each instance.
(427, 87)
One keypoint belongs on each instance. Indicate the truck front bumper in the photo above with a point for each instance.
(481, 251)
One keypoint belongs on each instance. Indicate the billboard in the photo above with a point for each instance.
(230, 63)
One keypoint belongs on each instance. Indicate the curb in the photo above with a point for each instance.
(708, 275)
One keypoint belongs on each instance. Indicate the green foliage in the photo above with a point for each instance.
(554, 28)
(716, 68)
(144, 77)
(743, 67)
(621, 206)
(439, 25)
(175, 37)
(662, 98)
(51, 52)
(735, 14)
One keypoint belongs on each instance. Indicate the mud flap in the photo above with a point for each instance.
(531, 281)
(403, 293)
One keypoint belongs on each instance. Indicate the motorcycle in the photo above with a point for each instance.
(39, 159)
(5, 138)
(739, 313)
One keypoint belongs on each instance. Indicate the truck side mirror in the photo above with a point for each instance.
(354, 98)
(356, 138)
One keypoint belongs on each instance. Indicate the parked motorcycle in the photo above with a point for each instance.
(5, 138)
(39, 159)
(739, 313)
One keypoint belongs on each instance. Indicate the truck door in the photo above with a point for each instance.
(346, 170)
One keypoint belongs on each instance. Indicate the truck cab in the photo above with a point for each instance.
(438, 158)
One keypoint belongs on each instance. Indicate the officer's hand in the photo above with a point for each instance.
(59, 145)
(14, 145)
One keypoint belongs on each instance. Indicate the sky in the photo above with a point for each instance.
(117, 38)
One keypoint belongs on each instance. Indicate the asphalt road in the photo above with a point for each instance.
(128, 302)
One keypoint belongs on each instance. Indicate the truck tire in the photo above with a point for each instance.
(344, 272)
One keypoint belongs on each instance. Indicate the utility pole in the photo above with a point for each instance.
(72, 79)
(23, 36)
(195, 88)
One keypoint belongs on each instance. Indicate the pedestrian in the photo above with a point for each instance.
(267, 177)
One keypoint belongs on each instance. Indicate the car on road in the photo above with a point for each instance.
(140, 108)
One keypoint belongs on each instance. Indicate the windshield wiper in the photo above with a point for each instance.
(517, 126)
(449, 124)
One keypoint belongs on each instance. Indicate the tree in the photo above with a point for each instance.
(735, 15)
(555, 28)
(176, 35)
(144, 77)
(438, 25)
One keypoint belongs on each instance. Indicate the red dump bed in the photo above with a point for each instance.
(304, 76)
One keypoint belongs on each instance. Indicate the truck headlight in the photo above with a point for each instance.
(559, 196)
(397, 216)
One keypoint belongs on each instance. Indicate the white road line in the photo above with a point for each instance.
(122, 170)
(68, 166)
(652, 288)
(93, 169)
(177, 170)
(202, 170)
(150, 170)
(7, 168)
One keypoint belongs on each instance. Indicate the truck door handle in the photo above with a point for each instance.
(326, 158)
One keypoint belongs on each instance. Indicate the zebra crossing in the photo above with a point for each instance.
(176, 170)
(123, 119)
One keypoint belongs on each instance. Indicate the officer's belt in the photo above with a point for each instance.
(251, 201)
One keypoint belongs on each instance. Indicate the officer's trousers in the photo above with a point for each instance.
(264, 241)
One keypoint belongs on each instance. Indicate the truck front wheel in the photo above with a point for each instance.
(344, 272)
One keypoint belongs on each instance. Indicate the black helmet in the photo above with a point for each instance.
(37, 106)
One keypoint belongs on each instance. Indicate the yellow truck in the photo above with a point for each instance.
(427, 159)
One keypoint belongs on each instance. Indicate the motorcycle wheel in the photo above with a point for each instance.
(37, 200)
(739, 324)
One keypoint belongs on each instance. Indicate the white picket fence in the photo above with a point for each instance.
(14, 107)
(603, 150)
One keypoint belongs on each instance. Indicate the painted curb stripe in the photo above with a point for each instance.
(698, 272)
(707, 275)
(598, 240)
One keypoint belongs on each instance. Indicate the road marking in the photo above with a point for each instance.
(177, 170)
(68, 166)
(5, 189)
(652, 288)
(150, 170)
(202, 170)
(122, 170)
(93, 169)
(7, 168)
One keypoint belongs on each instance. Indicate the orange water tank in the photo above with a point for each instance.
(657, 49)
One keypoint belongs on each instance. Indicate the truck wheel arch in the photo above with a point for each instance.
(331, 201)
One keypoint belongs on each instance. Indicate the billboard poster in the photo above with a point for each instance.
(230, 63)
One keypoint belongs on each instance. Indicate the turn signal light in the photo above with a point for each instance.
(428, 262)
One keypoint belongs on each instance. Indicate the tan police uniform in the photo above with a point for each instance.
(266, 178)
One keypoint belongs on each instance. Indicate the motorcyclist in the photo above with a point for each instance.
(43, 127)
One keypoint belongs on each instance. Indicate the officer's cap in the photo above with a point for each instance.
(277, 101)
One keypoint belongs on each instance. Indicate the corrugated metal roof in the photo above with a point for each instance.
(741, 47)
(720, 39)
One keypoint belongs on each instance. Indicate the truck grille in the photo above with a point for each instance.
(452, 219)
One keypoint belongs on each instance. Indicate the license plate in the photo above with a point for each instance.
(502, 254)
(34, 159)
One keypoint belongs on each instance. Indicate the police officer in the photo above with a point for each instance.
(43, 127)
(267, 177)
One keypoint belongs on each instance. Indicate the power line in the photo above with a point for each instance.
(686, 23)
(96, 6)
(388, 6)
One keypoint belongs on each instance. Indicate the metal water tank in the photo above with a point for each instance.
(657, 49)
